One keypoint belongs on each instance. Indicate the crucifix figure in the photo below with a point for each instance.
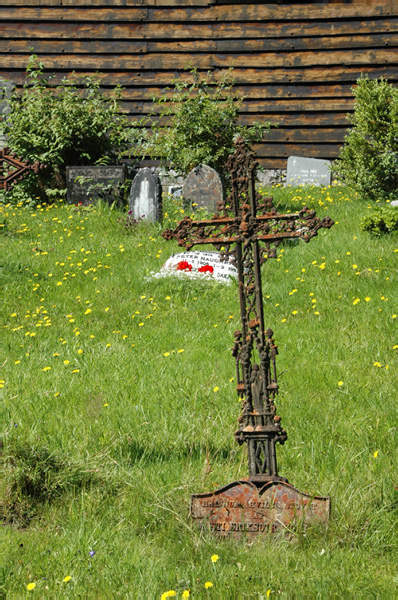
(254, 230)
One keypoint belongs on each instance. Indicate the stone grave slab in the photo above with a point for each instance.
(307, 171)
(87, 184)
(243, 509)
(202, 188)
(145, 198)
(200, 264)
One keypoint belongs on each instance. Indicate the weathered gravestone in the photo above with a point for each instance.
(265, 501)
(307, 171)
(202, 189)
(145, 199)
(6, 91)
(85, 185)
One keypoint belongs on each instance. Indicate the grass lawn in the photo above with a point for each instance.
(120, 402)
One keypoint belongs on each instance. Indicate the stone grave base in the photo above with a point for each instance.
(243, 509)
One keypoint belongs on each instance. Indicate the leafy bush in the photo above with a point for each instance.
(202, 125)
(369, 159)
(68, 124)
(382, 220)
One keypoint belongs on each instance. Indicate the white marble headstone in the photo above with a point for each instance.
(307, 171)
(145, 199)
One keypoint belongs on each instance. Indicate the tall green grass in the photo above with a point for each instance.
(120, 402)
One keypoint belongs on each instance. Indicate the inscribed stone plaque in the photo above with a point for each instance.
(203, 188)
(88, 184)
(201, 264)
(241, 508)
(307, 171)
(145, 199)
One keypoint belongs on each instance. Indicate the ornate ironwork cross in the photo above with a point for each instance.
(13, 169)
(255, 229)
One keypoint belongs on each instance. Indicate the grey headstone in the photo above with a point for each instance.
(307, 171)
(203, 188)
(145, 199)
(87, 184)
(6, 90)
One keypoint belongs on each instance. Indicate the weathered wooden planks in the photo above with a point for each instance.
(110, 46)
(295, 63)
(113, 30)
(197, 11)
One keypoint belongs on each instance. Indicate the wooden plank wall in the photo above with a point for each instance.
(295, 62)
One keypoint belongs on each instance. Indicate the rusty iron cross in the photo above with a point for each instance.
(13, 168)
(255, 229)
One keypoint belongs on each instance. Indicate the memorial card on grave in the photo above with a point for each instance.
(145, 198)
(202, 188)
(201, 264)
(308, 171)
(249, 227)
(86, 185)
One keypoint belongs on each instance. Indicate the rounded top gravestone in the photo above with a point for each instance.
(145, 199)
(203, 188)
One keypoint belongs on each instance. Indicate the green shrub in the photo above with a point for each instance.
(202, 123)
(368, 161)
(382, 220)
(68, 124)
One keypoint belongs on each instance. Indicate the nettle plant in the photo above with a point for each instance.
(72, 123)
(201, 124)
(368, 161)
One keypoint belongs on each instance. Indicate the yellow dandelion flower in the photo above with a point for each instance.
(185, 594)
(375, 454)
(88, 311)
(107, 308)
(294, 312)
(76, 371)
(30, 586)
(166, 354)
(216, 389)
(46, 369)
(356, 301)
(367, 299)
(66, 579)
(340, 383)
(208, 585)
(168, 594)
(66, 362)
(214, 558)
(80, 351)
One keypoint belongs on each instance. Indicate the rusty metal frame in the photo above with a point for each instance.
(8, 178)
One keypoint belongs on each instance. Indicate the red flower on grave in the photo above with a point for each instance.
(206, 269)
(183, 265)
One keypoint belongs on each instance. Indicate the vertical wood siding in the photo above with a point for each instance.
(295, 63)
